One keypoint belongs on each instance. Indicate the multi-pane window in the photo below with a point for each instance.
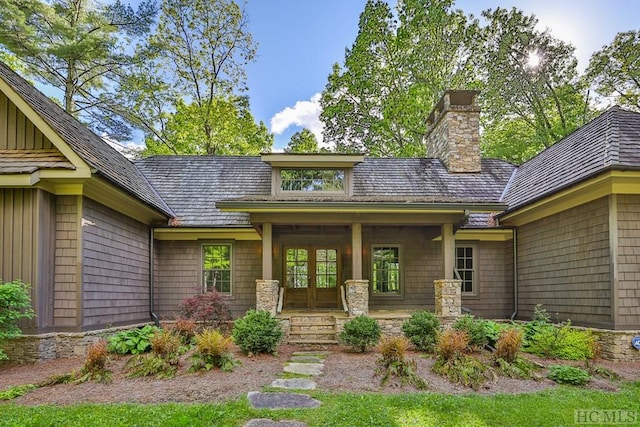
(297, 268)
(464, 267)
(386, 270)
(326, 268)
(319, 180)
(216, 268)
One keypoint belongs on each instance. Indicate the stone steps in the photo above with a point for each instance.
(312, 329)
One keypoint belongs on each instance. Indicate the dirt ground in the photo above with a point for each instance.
(344, 371)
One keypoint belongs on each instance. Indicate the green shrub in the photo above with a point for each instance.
(212, 351)
(15, 304)
(480, 331)
(568, 375)
(422, 330)
(133, 341)
(16, 391)
(257, 332)
(465, 370)
(149, 365)
(519, 367)
(562, 342)
(361, 332)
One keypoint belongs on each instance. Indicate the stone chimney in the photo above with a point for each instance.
(453, 131)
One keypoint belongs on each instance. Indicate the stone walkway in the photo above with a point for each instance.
(298, 373)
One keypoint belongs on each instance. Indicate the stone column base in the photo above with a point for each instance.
(448, 297)
(357, 297)
(267, 295)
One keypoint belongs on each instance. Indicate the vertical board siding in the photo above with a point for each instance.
(178, 269)
(115, 267)
(628, 315)
(563, 264)
(494, 270)
(16, 131)
(66, 265)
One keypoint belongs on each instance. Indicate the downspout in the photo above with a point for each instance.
(152, 313)
(515, 274)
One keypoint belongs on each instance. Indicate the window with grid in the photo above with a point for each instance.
(464, 268)
(216, 268)
(297, 268)
(310, 180)
(386, 270)
(326, 268)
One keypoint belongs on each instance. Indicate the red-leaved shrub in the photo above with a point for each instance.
(208, 308)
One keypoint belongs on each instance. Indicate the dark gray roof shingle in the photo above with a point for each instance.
(191, 185)
(91, 148)
(612, 140)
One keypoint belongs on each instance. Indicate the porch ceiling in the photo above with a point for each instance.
(348, 218)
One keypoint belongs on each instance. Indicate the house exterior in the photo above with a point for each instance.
(106, 242)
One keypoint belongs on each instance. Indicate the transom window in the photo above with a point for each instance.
(312, 180)
(216, 268)
(386, 270)
(464, 268)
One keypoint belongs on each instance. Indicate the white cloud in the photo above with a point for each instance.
(305, 114)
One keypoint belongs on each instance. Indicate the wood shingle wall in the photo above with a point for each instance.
(115, 268)
(68, 263)
(628, 309)
(564, 264)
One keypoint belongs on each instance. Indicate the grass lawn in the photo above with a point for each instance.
(549, 408)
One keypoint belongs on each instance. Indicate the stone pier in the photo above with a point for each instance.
(357, 297)
(448, 297)
(267, 295)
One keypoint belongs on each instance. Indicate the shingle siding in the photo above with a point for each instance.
(628, 314)
(115, 267)
(564, 264)
(177, 275)
(67, 262)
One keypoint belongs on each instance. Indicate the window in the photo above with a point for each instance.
(297, 268)
(216, 268)
(464, 268)
(386, 270)
(318, 180)
(326, 268)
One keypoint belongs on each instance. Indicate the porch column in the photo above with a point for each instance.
(448, 297)
(267, 255)
(267, 295)
(448, 250)
(356, 251)
(357, 297)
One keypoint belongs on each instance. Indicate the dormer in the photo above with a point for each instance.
(312, 174)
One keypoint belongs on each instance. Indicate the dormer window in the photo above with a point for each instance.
(306, 174)
(312, 180)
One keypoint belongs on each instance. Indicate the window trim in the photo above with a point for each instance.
(231, 265)
(387, 296)
(276, 181)
(475, 282)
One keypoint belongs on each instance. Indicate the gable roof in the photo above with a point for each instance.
(192, 186)
(610, 141)
(99, 155)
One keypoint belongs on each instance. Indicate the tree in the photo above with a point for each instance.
(615, 70)
(233, 130)
(378, 101)
(78, 47)
(303, 141)
(530, 89)
(185, 95)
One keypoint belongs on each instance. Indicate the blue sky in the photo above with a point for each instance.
(300, 40)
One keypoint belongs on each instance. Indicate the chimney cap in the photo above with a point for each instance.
(451, 98)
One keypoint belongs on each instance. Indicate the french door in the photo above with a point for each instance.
(311, 277)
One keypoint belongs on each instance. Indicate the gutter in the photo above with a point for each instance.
(515, 274)
(152, 313)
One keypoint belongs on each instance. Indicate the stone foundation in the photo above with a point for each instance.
(448, 297)
(616, 345)
(55, 345)
(267, 295)
(357, 297)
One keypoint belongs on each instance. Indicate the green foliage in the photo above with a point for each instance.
(257, 332)
(133, 341)
(150, 365)
(78, 47)
(394, 364)
(15, 304)
(303, 141)
(519, 367)
(16, 391)
(562, 341)
(563, 374)
(361, 332)
(422, 329)
(167, 345)
(209, 308)
(614, 70)
(184, 328)
(481, 332)
(465, 370)
(212, 351)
